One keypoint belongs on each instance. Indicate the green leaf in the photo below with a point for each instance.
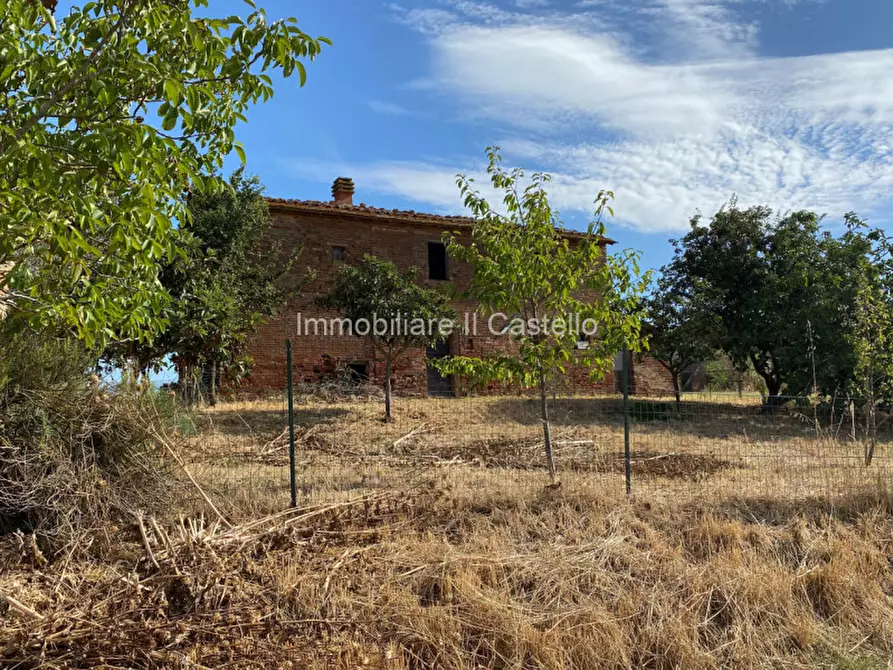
(126, 169)
(170, 119)
(174, 91)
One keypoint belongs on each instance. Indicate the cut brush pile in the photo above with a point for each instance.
(473, 579)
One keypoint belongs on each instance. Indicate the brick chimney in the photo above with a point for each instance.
(342, 191)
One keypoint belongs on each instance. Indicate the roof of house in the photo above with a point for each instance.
(400, 215)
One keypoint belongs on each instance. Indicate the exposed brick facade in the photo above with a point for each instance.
(649, 377)
(399, 236)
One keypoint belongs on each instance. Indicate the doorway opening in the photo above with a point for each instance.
(439, 386)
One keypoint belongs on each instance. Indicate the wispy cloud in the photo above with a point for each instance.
(695, 29)
(428, 183)
(521, 71)
(384, 107)
(671, 128)
(426, 20)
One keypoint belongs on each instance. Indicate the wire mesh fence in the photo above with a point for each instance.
(338, 445)
(331, 441)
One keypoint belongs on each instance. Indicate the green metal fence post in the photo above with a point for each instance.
(626, 454)
(291, 429)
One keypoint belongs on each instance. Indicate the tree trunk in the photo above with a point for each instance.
(189, 383)
(773, 388)
(547, 429)
(387, 390)
(675, 376)
(770, 376)
(212, 387)
(870, 419)
(183, 381)
(871, 427)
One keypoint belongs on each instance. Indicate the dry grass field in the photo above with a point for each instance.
(431, 542)
(718, 447)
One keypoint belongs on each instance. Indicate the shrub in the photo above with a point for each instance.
(723, 376)
(74, 452)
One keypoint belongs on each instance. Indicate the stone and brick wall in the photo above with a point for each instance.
(401, 237)
(649, 377)
(317, 357)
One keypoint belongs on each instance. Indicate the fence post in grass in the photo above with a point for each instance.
(626, 454)
(291, 428)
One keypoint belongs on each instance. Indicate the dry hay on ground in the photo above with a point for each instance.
(475, 579)
(256, 434)
(502, 453)
(581, 456)
(735, 447)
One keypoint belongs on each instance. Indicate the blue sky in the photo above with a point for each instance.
(673, 104)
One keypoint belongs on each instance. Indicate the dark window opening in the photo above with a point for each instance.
(358, 372)
(437, 261)
(339, 254)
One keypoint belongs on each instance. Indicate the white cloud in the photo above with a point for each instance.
(414, 181)
(670, 130)
(424, 20)
(660, 185)
(557, 73)
(431, 184)
(700, 29)
(389, 108)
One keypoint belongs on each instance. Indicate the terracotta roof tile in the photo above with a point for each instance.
(364, 210)
(367, 212)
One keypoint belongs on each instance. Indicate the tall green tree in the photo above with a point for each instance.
(235, 278)
(524, 264)
(232, 278)
(870, 313)
(390, 310)
(108, 115)
(678, 330)
(778, 287)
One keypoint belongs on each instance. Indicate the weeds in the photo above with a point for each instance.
(75, 454)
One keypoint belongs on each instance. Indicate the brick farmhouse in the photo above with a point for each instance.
(336, 232)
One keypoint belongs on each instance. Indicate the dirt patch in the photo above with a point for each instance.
(581, 456)
(674, 466)
(572, 455)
